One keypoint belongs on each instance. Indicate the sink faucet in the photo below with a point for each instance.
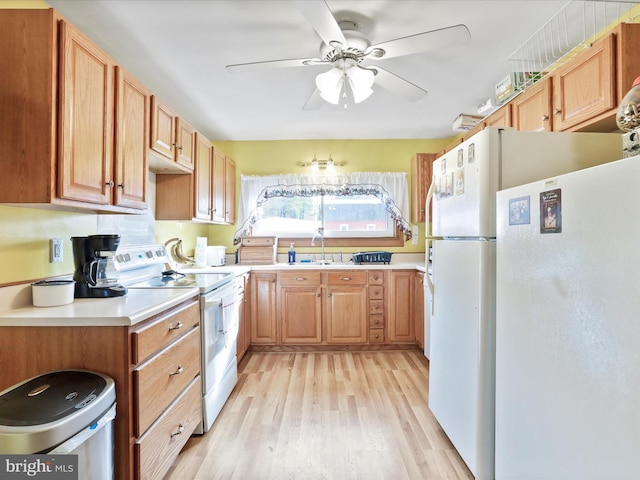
(319, 233)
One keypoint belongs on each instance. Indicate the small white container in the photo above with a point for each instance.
(51, 293)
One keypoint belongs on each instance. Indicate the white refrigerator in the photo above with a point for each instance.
(568, 327)
(462, 340)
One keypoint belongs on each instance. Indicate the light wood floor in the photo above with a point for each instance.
(325, 415)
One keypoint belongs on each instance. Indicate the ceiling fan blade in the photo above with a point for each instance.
(398, 86)
(253, 66)
(314, 102)
(321, 19)
(453, 36)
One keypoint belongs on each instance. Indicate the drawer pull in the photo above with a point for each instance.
(180, 430)
(300, 279)
(176, 327)
(376, 335)
(346, 279)
(177, 372)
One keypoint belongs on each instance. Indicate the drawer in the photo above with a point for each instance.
(376, 335)
(376, 292)
(155, 336)
(376, 277)
(160, 380)
(258, 241)
(376, 307)
(299, 279)
(347, 277)
(376, 321)
(156, 451)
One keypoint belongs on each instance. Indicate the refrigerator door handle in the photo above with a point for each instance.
(429, 238)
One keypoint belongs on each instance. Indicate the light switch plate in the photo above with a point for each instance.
(55, 250)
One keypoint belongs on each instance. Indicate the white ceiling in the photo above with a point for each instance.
(179, 49)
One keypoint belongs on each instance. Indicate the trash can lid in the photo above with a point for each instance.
(49, 397)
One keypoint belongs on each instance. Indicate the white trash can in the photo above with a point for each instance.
(66, 412)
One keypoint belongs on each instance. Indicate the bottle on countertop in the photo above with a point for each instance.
(292, 254)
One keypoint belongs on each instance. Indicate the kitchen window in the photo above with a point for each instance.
(354, 209)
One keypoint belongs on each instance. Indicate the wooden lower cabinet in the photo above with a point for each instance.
(346, 314)
(332, 307)
(263, 308)
(151, 346)
(401, 327)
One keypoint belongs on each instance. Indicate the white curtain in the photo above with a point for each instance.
(391, 187)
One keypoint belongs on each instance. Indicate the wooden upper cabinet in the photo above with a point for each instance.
(185, 144)
(131, 134)
(499, 118)
(70, 127)
(219, 182)
(86, 120)
(224, 188)
(172, 141)
(163, 129)
(229, 191)
(203, 178)
(585, 86)
(420, 182)
(531, 110)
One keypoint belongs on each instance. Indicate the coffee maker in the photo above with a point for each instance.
(95, 270)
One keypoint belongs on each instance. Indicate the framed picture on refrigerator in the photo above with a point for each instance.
(551, 211)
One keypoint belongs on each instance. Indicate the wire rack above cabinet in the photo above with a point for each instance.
(574, 27)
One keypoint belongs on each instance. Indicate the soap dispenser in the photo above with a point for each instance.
(292, 254)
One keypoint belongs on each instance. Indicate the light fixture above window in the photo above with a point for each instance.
(328, 165)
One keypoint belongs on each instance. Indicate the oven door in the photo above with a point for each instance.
(219, 325)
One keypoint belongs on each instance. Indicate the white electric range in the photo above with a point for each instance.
(149, 266)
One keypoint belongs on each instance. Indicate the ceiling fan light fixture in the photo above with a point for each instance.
(360, 81)
(330, 85)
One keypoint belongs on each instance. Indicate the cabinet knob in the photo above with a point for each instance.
(110, 184)
(176, 326)
(318, 294)
(121, 185)
(180, 430)
(177, 372)
(557, 111)
(375, 277)
(329, 294)
(545, 118)
(174, 144)
(180, 148)
(377, 335)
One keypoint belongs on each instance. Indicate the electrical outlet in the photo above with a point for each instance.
(55, 250)
(414, 234)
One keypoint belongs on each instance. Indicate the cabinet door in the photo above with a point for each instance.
(219, 182)
(163, 129)
(229, 191)
(86, 119)
(420, 183)
(301, 314)
(132, 125)
(419, 308)
(401, 309)
(531, 110)
(346, 314)
(500, 118)
(263, 308)
(185, 144)
(585, 87)
(203, 178)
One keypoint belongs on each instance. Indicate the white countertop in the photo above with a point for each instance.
(135, 306)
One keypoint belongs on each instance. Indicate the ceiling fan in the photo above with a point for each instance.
(348, 52)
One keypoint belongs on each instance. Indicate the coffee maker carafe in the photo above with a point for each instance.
(95, 272)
